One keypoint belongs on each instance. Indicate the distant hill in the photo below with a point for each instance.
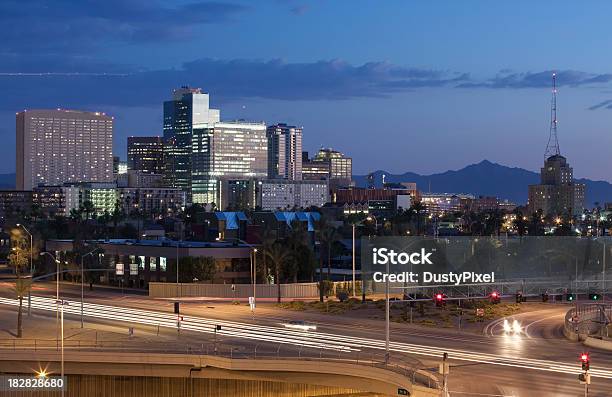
(487, 179)
(7, 181)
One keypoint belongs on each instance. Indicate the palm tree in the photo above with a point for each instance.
(297, 241)
(88, 209)
(278, 255)
(116, 216)
(417, 208)
(267, 240)
(329, 236)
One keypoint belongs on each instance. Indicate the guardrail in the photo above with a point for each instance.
(397, 364)
(587, 319)
(528, 287)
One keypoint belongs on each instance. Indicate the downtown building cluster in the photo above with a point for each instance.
(65, 160)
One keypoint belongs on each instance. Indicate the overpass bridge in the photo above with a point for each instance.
(187, 371)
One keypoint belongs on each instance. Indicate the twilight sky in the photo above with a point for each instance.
(400, 85)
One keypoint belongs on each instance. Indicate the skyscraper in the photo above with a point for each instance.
(284, 152)
(338, 166)
(557, 193)
(145, 154)
(188, 109)
(227, 150)
(59, 146)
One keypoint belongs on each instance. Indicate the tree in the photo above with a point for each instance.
(417, 208)
(88, 209)
(202, 268)
(520, 222)
(278, 255)
(329, 235)
(18, 260)
(116, 216)
(267, 239)
(297, 242)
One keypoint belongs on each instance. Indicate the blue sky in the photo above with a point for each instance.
(420, 86)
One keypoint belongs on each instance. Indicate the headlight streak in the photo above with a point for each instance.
(301, 338)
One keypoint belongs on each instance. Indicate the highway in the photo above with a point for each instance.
(509, 362)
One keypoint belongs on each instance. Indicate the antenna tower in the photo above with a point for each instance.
(552, 148)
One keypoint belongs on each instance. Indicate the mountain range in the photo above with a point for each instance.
(486, 179)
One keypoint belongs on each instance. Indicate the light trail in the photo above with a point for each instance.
(283, 335)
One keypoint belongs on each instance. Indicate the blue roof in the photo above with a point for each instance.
(290, 216)
(232, 219)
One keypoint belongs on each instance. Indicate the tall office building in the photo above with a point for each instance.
(59, 146)
(557, 193)
(331, 165)
(284, 152)
(227, 150)
(145, 154)
(188, 109)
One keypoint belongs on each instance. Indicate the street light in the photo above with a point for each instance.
(60, 305)
(355, 224)
(31, 267)
(57, 264)
(82, 287)
(253, 260)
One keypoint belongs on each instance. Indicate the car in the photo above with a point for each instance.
(301, 325)
(513, 327)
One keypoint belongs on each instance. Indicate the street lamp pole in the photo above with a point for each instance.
(61, 304)
(57, 264)
(354, 292)
(31, 267)
(82, 285)
(387, 316)
(254, 271)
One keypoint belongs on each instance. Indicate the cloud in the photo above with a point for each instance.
(226, 79)
(90, 82)
(607, 104)
(571, 78)
(74, 25)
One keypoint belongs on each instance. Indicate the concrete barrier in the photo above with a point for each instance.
(325, 373)
(598, 343)
(240, 291)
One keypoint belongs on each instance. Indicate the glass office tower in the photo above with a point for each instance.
(227, 150)
(188, 108)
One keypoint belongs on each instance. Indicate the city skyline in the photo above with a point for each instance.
(492, 98)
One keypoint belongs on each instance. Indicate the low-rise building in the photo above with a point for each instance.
(14, 203)
(144, 261)
(281, 194)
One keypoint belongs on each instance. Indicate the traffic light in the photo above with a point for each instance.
(586, 361)
(440, 299)
(545, 297)
(519, 297)
(176, 307)
(570, 297)
(495, 297)
(594, 297)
